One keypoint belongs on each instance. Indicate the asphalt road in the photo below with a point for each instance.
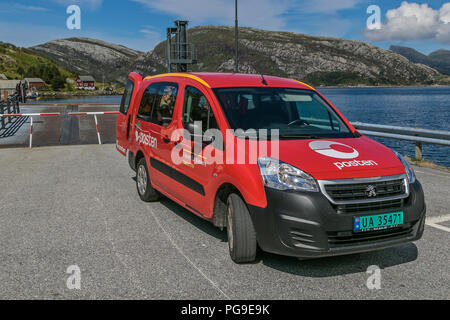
(62, 129)
(78, 205)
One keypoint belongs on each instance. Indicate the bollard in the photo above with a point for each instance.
(31, 132)
(98, 131)
(418, 153)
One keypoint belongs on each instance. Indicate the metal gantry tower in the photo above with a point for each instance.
(180, 53)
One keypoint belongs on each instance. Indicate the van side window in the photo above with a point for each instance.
(197, 108)
(126, 97)
(147, 101)
(165, 104)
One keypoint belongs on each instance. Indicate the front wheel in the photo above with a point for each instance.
(144, 187)
(241, 233)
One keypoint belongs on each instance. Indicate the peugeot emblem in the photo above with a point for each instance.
(371, 191)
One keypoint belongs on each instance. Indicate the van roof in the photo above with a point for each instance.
(222, 80)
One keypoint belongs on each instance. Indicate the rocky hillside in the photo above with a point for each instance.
(318, 60)
(17, 63)
(91, 57)
(439, 60)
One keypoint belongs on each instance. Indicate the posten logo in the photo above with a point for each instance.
(334, 149)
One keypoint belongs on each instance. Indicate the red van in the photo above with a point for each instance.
(315, 186)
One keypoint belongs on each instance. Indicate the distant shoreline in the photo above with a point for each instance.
(384, 86)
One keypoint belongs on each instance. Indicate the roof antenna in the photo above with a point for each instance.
(264, 82)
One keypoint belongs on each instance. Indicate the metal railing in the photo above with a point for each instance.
(9, 106)
(416, 135)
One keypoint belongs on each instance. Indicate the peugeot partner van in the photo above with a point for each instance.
(312, 187)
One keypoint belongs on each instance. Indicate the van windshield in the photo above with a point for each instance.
(296, 113)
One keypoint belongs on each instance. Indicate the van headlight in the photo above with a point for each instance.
(282, 176)
(409, 170)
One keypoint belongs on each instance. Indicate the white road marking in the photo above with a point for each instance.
(433, 222)
(432, 174)
(185, 256)
(438, 219)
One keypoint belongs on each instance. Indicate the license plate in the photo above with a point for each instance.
(378, 221)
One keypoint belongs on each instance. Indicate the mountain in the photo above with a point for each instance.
(318, 60)
(86, 56)
(439, 60)
(17, 63)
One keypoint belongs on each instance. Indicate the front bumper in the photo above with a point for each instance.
(307, 225)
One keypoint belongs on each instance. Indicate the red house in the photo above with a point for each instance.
(85, 83)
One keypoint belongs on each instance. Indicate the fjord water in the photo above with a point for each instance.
(425, 107)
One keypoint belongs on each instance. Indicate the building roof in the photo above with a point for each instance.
(34, 80)
(8, 84)
(87, 78)
(221, 80)
(3, 77)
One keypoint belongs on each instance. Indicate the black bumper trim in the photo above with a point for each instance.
(306, 224)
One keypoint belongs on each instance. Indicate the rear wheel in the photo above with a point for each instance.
(241, 233)
(144, 187)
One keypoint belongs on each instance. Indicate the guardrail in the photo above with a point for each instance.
(419, 136)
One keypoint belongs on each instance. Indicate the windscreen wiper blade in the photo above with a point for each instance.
(299, 136)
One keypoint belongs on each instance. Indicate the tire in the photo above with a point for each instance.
(241, 233)
(143, 184)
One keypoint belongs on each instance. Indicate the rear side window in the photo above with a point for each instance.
(126, 97)
(197, 108)
(165, 104)
(148, 100)
(158, 103)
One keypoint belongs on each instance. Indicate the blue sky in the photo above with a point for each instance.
(140, 24)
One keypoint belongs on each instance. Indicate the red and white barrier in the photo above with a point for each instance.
(31, 115)
(92, 113)
(95, 118)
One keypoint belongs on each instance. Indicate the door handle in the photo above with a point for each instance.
(166, 140)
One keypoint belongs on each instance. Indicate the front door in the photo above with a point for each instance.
(198, 153)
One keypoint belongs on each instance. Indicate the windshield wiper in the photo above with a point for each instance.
(299, 136)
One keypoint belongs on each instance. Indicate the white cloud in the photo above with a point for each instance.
(252, 13)
(412, 21)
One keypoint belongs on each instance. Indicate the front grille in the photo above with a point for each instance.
(372, 207)
(335, 239)
(359, 191)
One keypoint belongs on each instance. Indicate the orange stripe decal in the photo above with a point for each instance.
(307, 85)
(184, 75)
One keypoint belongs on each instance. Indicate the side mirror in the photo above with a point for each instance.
(194, 128)
(145, 118)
